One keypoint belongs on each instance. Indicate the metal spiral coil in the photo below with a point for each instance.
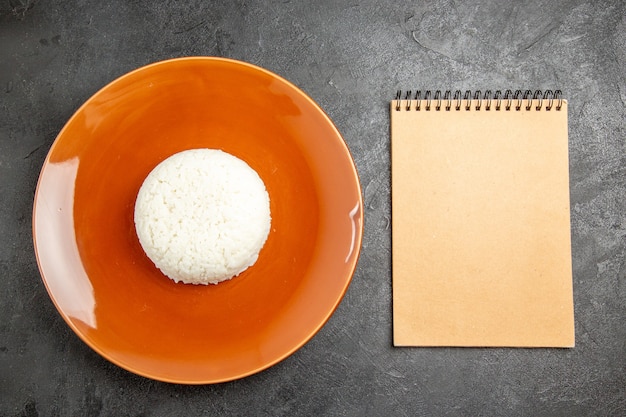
(508, 101)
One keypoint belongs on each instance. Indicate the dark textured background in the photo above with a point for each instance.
(351, 57)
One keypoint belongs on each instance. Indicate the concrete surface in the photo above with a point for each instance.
(351, 57)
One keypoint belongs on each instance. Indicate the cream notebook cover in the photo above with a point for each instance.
(481, 251)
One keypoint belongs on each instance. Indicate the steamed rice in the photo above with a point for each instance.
(202, 216)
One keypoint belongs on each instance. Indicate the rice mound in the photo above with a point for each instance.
(202, 216)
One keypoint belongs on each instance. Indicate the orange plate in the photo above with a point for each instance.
(110, 293)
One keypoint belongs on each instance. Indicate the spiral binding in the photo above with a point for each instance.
(510, 100)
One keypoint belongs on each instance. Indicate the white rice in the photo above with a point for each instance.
(202, 216)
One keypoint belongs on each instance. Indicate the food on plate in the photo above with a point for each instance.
(202, 216)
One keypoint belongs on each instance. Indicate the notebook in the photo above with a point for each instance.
(481, 249)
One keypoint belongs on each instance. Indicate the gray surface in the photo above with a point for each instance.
(350, 57)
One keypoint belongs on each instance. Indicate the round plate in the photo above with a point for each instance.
(111, 294)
